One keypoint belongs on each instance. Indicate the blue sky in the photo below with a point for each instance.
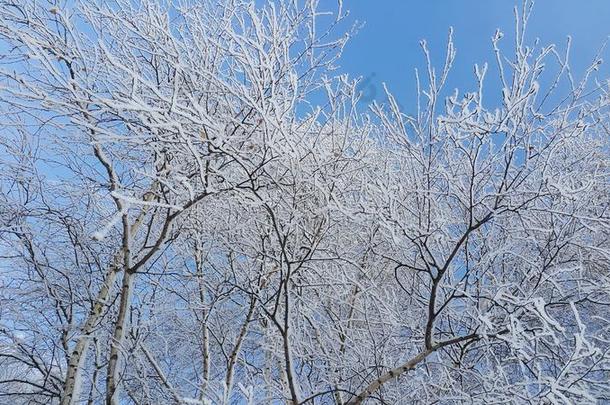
(387, 47)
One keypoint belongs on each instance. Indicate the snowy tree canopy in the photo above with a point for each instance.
(195, 209)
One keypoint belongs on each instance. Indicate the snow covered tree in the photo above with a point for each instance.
(195, 210)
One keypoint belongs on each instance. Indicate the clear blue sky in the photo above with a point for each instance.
(387, 47)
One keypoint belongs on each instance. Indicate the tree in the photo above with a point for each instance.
(196, 210)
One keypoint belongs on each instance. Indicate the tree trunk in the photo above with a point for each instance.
(72, 383)
(117, 339)
(237, 348)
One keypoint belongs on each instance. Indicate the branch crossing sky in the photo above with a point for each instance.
(386, 49)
